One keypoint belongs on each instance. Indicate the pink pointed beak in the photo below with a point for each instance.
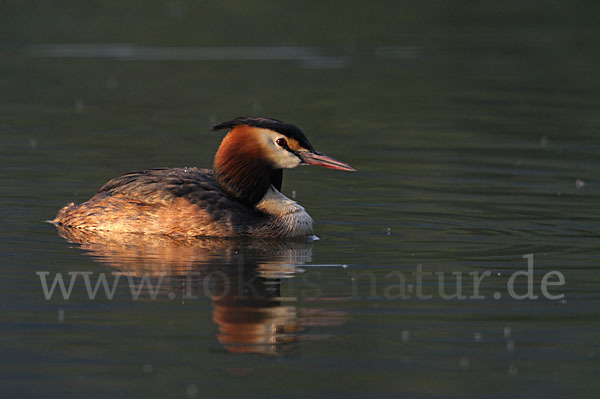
(318, 159)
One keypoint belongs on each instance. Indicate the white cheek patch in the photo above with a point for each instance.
(280, 157)
(285, 159)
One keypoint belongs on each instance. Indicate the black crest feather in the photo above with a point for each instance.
(286, 129)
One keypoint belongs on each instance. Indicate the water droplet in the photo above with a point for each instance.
(191, 391)
(544, 141)
(79, 106)
(32, 143)
(507, 332)
(147, 368)
(61, 315)
(510, 346)
(464, 363)
(175, 9)
(512, 369)
(388, 231)
(293, 194)
(172, 295)
(405, 336)
(579, 184)
(478, 337)
(112, 84)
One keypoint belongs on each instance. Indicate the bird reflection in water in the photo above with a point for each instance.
(243, 279)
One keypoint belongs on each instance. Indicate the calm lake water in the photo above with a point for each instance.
(474, 127)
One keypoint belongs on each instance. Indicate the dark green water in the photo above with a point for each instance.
(474, 127)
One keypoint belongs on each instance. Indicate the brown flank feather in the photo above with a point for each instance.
(173, 201)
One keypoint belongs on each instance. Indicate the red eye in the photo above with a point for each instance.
(281, 142)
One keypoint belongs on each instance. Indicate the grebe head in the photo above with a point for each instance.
(253, 154)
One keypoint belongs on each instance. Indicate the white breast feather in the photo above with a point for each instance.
(291, 218)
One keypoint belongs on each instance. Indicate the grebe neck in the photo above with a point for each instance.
(247, 182)
(241, 168)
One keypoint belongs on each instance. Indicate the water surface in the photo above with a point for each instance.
(473, 127)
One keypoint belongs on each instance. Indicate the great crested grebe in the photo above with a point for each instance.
(240, 197)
